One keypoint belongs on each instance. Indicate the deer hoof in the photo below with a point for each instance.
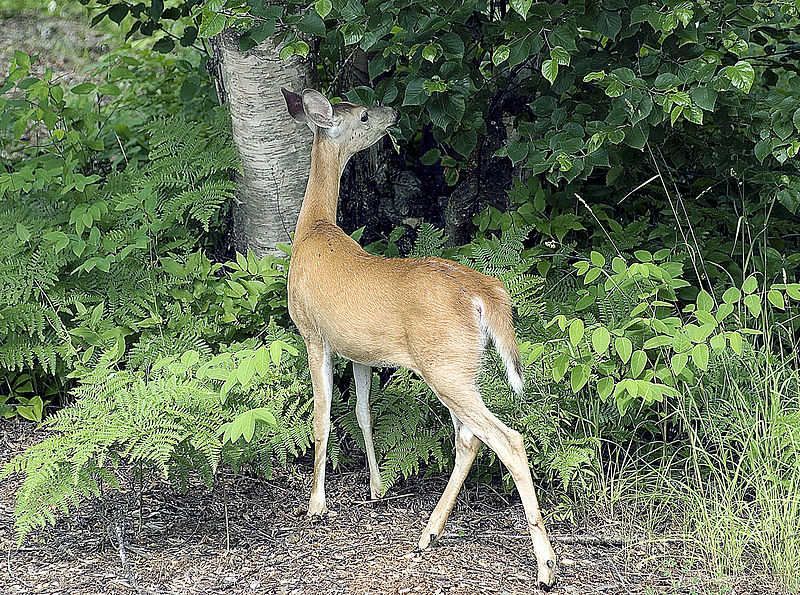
(547, 574)
(319, 513)
(427, 540)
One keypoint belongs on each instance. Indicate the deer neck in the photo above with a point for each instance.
(322, 192)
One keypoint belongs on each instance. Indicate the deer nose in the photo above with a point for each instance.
(396, 115)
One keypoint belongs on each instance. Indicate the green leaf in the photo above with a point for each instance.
(429, 53)
(762, 149)
(117, 12)
(704, 301)
(604, 387)
(750, 284)
(717, 343)
(83, 88)
(109, 89)
(431, 157)
(753, 303)
(704, 97)
(638, 360)
(248, 426)
(323, 7)
(694, 114)
(550, 70)
(735, 339)
(678, 362)
(579, 376)
(415, 93)
(22, 59)
(731, 295)
(585, 301)
(615, 89)
(173, 267)
(517, 151)
(265, 415)
(636, 136)
(623, 347)
(521, 7)
(723, 312)
(560, 366)
(741, 75)
(560, 55)
(592, 275)
(775, 298)
(500, 54)
(212, 24)
(601, 338)
(658, 341)
(23, 234)
(597, 259)
(576, 329)
(700, 356)
(609, 23)
(164, 45)
(790, 197)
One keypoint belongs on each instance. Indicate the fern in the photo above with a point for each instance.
(169, 422)
(411, 430)
(503, 258)
(430, 242)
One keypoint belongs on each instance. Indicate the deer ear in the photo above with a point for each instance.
(317, 108)
(294, 103)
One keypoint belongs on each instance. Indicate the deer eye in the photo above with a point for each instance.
(364, 117)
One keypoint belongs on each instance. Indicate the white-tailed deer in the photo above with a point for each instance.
(431, 315)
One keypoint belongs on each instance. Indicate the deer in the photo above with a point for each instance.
(430, 315)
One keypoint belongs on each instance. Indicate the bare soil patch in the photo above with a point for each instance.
(249, 536)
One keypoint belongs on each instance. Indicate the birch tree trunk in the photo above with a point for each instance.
(275, 153)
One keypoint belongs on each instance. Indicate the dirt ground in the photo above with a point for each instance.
(249, 536)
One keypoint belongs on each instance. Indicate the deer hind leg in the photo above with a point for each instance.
(363, 380)
(319, 363)
(510, 448)
(467, 447)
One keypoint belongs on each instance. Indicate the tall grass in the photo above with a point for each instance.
(725, 484)
(746, 511)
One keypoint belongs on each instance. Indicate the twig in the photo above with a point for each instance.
(588, 540)
(619, 575)
(568, 539)
(382, 499)
(227, 524)
(8, 563)
(124, 558)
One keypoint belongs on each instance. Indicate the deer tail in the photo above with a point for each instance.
(494, 306)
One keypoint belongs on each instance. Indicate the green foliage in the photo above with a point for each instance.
(110, 267)
(411, 429)
(177, 420)
(642, 309)
(107, 221)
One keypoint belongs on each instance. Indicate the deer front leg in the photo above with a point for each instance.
(319, 363)
(363, 380)
(467, 447)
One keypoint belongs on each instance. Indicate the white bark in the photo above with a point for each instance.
(275, 152)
